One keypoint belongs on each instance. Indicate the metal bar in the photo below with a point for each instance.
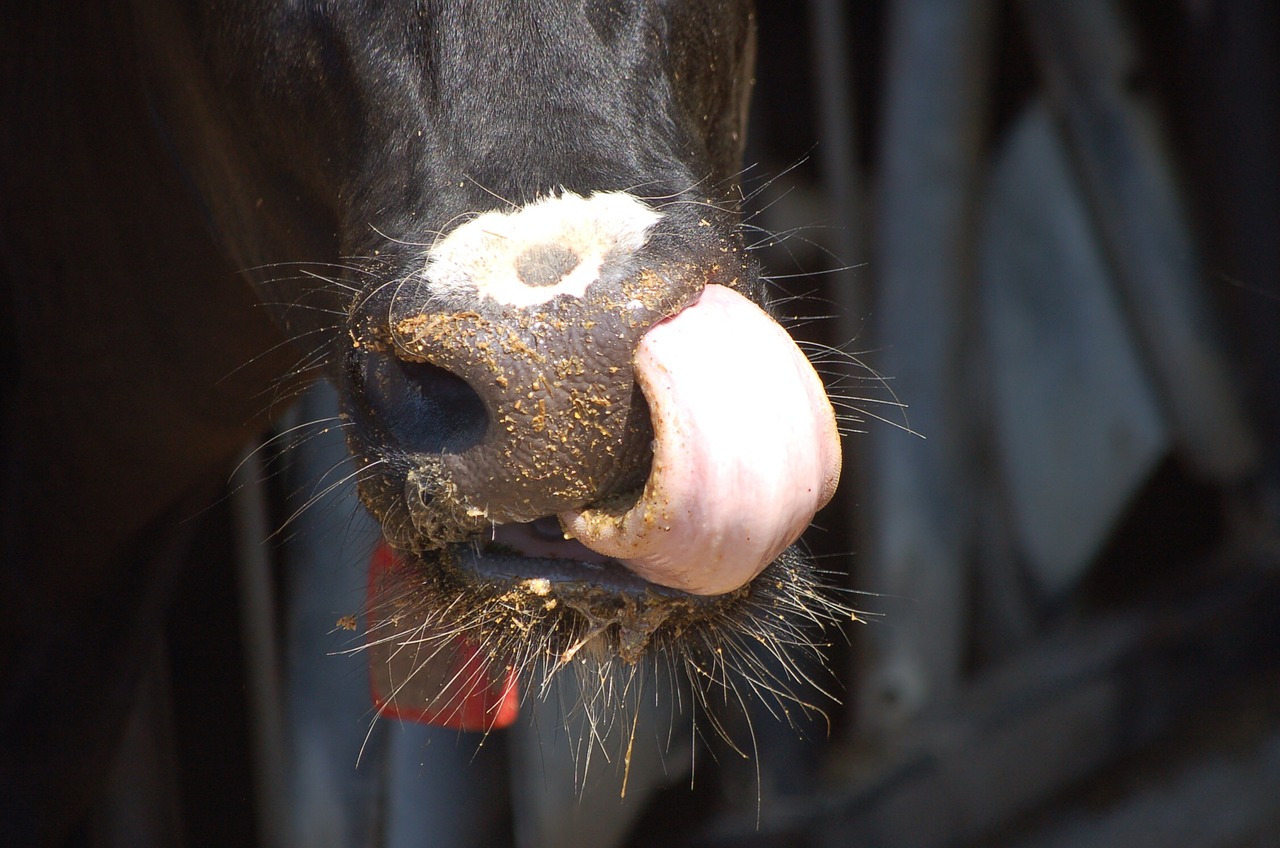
(837, 157)
(920, 529)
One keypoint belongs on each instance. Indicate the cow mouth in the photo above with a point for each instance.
(560, 586)
(457, 633)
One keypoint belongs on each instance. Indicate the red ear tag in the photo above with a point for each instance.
(419, 675)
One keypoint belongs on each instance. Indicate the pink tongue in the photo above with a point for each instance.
(745, 450)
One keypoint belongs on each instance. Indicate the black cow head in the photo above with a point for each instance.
(526, 277)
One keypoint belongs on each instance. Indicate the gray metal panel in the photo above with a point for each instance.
(1078, 427)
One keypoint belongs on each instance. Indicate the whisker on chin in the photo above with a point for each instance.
(742, 657)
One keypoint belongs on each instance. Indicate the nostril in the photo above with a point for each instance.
(421, 406)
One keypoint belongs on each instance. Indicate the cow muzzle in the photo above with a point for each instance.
(567, 360)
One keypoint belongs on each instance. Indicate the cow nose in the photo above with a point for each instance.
(565, 424)
(544, 310)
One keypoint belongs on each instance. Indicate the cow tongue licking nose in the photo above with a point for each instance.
(572, 320)
(745, 450)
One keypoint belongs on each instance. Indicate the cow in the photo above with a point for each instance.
(507, 232)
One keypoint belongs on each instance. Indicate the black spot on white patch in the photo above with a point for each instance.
(545, 264)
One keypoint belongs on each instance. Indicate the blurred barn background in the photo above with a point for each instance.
(1046, 233)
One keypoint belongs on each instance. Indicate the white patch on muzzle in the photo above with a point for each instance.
(554, 246)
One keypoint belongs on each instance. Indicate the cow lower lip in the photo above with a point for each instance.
(538, 550)
(559, 574)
